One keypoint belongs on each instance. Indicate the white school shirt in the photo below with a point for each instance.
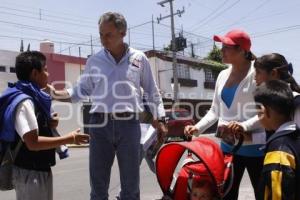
(25, 119)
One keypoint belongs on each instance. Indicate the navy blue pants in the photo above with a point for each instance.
(254, 167)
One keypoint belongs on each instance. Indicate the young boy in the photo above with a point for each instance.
(281, 171)
(26, 115)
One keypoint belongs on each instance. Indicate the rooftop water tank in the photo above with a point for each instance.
(47, 46)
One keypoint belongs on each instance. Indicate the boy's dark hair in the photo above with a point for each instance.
(27, 61)
(277, 95)
(277, 61)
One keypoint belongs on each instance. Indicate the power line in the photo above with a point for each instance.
(136, 26)
(40, 40)
(201, 4)
(47, 10)
(45, 19)
(149, 34)
(256, 19)
(178, 29)
(53, 16)
(7, 31)
(225, 27)
(210, 14)
(86, 43)
(247, 15)
(274, 31)
(217, 15)
(144, 45)
(41, 29)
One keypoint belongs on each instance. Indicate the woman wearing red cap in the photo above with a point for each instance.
(234, 108)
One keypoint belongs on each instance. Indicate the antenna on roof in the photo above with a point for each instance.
(28, 47)
(22, 46)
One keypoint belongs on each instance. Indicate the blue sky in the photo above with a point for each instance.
(272, 24)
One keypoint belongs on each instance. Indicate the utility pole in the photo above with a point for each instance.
(192, 50)
(128, 36)
(40, 13)
(92, 50)
(173, 45)
(79, 53)
(153, 41)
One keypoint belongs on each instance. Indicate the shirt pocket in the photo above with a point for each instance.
(133, 75)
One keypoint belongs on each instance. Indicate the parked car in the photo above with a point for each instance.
(177, 119)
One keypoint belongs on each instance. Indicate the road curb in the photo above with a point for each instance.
(78, 146)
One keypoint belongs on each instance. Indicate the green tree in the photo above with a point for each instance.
(215, 54)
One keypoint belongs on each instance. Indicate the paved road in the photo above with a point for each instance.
(71, 181)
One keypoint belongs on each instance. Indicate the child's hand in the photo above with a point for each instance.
(53, 122)
(78, 138)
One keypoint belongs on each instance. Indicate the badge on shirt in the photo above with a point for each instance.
(135, 62)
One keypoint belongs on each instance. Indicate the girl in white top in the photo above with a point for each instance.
(233, 105)
(274, 66)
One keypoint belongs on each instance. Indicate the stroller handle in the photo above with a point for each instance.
(187, 138)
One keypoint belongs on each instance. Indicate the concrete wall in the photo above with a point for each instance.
(7, 59)
(70, 114)
(163, 73)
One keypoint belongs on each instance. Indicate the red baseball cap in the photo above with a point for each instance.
(235, 37)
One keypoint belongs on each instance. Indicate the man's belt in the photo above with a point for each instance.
(118, 115)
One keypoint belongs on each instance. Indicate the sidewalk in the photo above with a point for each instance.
(71, 180)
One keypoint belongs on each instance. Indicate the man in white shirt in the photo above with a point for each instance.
(113, 79)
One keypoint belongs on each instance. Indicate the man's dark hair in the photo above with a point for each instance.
(27, 61)
(277, 95)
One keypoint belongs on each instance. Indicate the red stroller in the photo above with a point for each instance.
(204, 160)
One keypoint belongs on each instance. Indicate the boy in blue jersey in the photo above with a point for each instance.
(281, 175)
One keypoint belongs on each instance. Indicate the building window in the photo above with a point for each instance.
(210, 79)
(186, 82)
(209, 76)
(12, 70)
(183, 71)
(2, 69)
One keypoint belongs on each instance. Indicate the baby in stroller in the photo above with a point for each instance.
(203, 190)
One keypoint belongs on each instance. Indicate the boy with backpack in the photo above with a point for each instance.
(281, 170)
(25, 114)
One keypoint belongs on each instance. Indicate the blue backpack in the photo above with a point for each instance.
(9, 101)
(297, 101)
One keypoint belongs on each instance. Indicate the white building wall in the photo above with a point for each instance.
(72, 72)
(71, 116)
(7, 59)
(163, 73)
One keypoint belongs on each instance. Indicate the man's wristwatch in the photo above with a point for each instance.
(162, 120)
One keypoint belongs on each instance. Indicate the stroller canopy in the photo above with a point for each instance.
(206, 150)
